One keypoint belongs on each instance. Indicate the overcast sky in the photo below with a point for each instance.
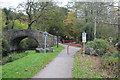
(14, 3)
(9, 3)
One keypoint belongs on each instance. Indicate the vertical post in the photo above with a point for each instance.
(110, 38)
(57, 41)
(45, 46)
(118, 21)
(45, 36)
(83, 48)
(83, 40)
(39, 34)
(57, 32)
(95, 29)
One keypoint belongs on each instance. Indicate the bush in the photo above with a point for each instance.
(5, 46)
(28, 43)
(19, 25)
(99, 45)
(110, 62)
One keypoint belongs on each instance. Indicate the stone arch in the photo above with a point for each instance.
(14, 37)
(14, 43)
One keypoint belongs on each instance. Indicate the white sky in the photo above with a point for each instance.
(9, 3)
(14, 3)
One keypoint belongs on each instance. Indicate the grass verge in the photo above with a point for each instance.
(88, 67)
(14, 56)
(29, 65)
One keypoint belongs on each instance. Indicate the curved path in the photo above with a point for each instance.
(61, 66)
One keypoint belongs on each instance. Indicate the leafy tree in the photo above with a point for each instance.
(7, 15)
(52, 18)
(10, 17)
(5, 46)
(88, 11)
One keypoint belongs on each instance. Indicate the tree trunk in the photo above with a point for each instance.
(29, 26)
(12, 25)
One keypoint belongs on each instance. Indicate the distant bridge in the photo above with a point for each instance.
(15, 36)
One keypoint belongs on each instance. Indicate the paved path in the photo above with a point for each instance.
(61, 66)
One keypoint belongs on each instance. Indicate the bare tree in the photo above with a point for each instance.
(34, 10)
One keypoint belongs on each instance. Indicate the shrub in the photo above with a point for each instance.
(101, 46)
(110, 62)
(19, 25)
(5, 46)
(28, 43)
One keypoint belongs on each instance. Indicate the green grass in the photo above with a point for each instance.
(0, 72)
(14, 56)
(88, 67)
(29, 65)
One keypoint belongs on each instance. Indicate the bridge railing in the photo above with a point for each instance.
(73, 44)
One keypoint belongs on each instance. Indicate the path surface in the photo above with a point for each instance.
(61, 66)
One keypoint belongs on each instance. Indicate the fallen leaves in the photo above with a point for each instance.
(89, 67)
